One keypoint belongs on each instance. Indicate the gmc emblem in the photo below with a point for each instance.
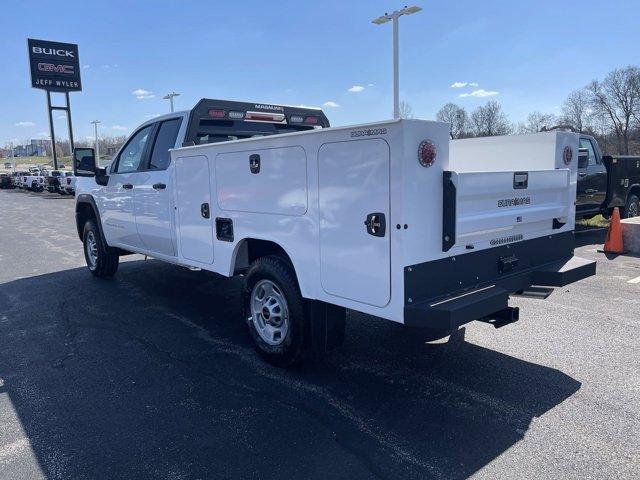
(50, 67)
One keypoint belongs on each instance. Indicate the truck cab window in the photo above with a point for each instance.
(585, 143)
(131, 155)
(166, 139)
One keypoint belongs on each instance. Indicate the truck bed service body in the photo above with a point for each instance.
(380, 218)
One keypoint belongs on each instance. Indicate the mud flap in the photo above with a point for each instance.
(326, 327)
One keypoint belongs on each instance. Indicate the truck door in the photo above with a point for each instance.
(592, 181)
(118, 219)
(354, 203)
(193, 209)
(153, 193)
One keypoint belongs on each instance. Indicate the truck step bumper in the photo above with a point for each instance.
(454, 311)
(491, 301)
(563, 273)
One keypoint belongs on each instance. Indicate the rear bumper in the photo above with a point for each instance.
(487, 278)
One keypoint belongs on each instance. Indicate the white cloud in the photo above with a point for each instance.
(25, 124)
(153, 115)
(119, 127)
(142, 94)
(480, 93)
(356, 89)
(43, 134)
(104, 66)
(84, 67)
(370, 85)
(463, 84)
(61, 117)
(331, 104)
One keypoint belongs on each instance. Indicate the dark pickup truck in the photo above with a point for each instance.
(606, 182)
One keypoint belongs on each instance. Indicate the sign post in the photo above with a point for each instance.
(55, 67)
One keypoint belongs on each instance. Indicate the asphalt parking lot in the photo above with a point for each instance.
(150, 375)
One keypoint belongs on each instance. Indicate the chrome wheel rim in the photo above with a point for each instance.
(633, 210)
(91, 247)
(269, 312)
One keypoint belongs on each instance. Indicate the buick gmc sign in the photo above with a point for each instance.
(55, 66)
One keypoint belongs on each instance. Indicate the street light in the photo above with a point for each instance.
(387, 17)
(95, 126)
(169, 97)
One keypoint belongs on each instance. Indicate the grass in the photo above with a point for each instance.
(28, 161)
(596, 222)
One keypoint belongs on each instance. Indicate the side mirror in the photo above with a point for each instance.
(583, 157)
(84, 162)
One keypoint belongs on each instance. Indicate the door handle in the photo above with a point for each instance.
(159, 186)
(375, 224)
(204, 210)
(127, 186)
(582, 174)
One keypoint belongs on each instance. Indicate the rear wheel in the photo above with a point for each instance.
(101, 262)
(274, 311)
(632, 208)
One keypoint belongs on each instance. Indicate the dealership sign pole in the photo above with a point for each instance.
(55, 67)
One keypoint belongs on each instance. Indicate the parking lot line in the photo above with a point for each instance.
(634, 280)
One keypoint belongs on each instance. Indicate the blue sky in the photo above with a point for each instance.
(529, 54)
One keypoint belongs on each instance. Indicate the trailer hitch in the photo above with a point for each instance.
(502, 317)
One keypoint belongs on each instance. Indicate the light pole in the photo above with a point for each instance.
(396, 75)
(95, 126)
(169, 96)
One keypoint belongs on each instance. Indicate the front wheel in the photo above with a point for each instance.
(101, 262)
(632, 208)
(274, 310)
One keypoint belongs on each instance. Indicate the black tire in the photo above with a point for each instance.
(632, 208)
(105, 263)
(290, 348)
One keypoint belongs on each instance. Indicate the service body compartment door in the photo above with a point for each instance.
(271, 180)
(355, 261)
(193, 205)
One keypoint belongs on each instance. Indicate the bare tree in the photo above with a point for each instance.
(536, 121)
(457, 117)
(489, 120)
(617, 100)
(576, 111)
(405, 110)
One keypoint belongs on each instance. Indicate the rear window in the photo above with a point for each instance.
(213, 131)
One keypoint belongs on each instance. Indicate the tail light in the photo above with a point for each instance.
(567, 155)
(296, 118)
(236, 115)
(264, 117)
(427, 153)
(216, 113)
(311, 120)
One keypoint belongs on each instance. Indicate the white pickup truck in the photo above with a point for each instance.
(33, 181)
(386, 218)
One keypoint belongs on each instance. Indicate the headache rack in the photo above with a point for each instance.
(213, 121)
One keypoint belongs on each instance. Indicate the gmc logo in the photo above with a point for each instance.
(50, 67)
(53, 51)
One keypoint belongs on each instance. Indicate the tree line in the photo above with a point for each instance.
(608, 109)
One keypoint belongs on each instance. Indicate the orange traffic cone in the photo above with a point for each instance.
(613, 243)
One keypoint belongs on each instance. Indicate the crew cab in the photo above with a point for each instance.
(6, 181)
(51, 182)
(17, 178)
(388, 218)
(606, 182)
(33, 180)
(67, 184)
